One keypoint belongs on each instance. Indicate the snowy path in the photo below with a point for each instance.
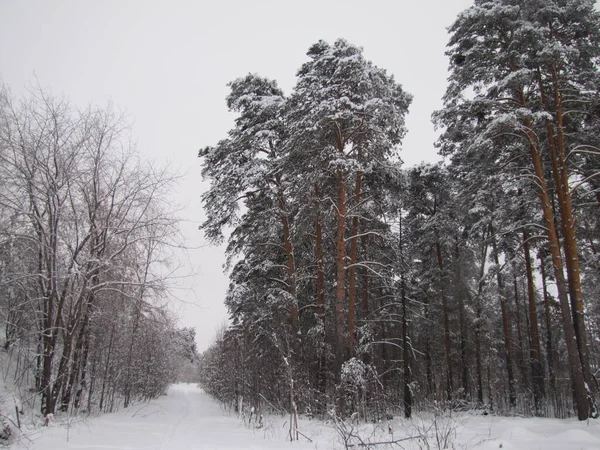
(188, 419)
(185, 419)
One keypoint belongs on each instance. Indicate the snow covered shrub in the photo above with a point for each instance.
(5, 429)
(354, 373)
(357, 381)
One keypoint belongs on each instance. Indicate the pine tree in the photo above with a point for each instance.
(516, 64)
(349, 115)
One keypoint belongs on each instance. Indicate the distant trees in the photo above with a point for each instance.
(463, 282)
(83, 235)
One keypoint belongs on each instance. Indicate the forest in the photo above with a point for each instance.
(360, 287)
(85, 237)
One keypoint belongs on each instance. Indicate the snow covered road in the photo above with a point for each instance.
(188, 419)
(185, 419)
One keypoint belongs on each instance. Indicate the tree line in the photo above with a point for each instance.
(361, 286)
(85, 236)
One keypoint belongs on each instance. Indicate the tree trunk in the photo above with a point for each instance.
(47, 403)
(557, 150)
(406, 353)
(583, 403)
(428, 358)
(289, 255)
(340, 287)
(446, 313)
(63, 383)
(319, 263)
(535, 353)
(548, 320)
(460, 294)
(85, 351)
(512, 397)
(520, 339)
(320, 295)
(478, 323)
(568, 226)
(352, 269)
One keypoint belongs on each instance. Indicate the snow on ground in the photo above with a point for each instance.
(188, 419)
(185, 419)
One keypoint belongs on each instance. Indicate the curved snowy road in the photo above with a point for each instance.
(185, 419)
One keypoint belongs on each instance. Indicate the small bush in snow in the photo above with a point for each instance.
(5, 429)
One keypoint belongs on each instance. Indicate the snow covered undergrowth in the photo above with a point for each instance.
(187, 419)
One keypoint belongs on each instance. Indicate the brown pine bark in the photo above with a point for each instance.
(352, 267)
(568, 226)
(340, 287)
(557, 151)
(535, 354)
(580, 393)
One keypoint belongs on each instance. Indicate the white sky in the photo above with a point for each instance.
(166, 63)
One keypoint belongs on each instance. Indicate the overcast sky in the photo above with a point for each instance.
(167, 63)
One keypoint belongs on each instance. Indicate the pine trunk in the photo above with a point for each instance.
(319, 264)
(583, 404)
(406, 353)
(340, 296)
(290, 259)
(548, 321)
(557, 150)
(406, 359)
(568, 225)
(446, 313)
(352, 267)
(520, 352)
(460, 300)
(428, 358)
(478, 323)
(535, 353)
(320, 296)
(512, 397)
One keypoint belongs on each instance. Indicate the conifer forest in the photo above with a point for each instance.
(359, 286)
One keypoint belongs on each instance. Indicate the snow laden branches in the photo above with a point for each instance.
(299, 185)
(84, 237)
(467, 284)
(521, 96)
